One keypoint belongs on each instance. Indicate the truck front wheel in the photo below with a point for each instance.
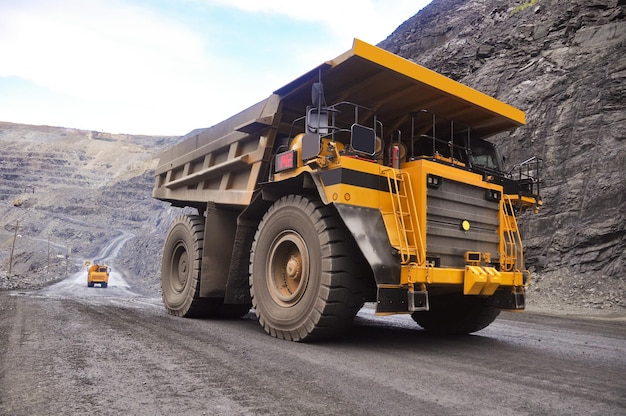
(302, 271)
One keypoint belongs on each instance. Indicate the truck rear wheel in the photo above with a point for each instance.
(456, 315)
(180, 268)
(302, 271)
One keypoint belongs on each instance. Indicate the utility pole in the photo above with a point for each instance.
(68, 251)
(17, 225)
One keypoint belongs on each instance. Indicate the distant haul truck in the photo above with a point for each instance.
(367, 179)
(98, 273)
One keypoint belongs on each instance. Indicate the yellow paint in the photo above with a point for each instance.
(475, 279)
(432, 78)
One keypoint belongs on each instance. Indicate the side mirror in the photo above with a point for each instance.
(317, 120)
(363, 140)
(310, 146)
(317, 94)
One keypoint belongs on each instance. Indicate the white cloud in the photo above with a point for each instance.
(103, 48)
(133, 67)
(369, 20)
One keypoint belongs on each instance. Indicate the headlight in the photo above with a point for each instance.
(493, 195)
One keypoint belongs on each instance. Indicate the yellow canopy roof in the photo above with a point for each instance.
(395, 87)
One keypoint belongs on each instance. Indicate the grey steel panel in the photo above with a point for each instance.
(447, 207)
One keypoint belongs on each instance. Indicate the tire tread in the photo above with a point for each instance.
(340, 295)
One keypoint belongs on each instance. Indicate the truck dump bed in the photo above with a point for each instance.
(220, 163)
(224, 163)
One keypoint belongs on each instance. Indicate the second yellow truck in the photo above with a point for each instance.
(98, 273)
(368, 179)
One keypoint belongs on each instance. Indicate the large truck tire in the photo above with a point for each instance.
(456, 315)
(302, 271)
(180, 269)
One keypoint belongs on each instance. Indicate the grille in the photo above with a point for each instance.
(447, 207)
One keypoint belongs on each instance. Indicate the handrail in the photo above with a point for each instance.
(528, 170)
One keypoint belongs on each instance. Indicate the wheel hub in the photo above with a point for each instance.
(293, 270)
(287, 269)
(179, 268)
(182, 267)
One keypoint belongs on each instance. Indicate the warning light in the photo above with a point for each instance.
(285, 160)
(465, 225)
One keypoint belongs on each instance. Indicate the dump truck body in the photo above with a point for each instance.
(390, 194)
(98, 273)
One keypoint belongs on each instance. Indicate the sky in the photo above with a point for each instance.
(166, 67)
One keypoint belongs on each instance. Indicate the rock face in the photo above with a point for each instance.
(564, 64)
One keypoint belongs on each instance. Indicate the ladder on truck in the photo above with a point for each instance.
(404, 213)
(513, 248)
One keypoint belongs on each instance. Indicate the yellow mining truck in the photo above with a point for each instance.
(98, 273)
(367, 179)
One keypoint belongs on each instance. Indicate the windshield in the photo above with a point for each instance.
(484, 154)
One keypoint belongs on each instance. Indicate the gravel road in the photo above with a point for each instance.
(68, 349)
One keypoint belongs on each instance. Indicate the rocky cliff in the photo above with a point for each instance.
(564, 64)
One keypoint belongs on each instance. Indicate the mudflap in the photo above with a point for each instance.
(509, 299)
(368, 229)
(401, 300)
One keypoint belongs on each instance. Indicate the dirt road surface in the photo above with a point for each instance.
(72, 350)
